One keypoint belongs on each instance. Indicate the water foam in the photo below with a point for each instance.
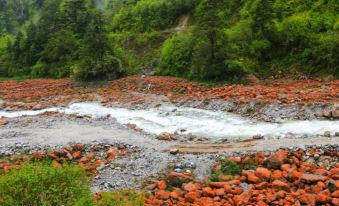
(210, 124)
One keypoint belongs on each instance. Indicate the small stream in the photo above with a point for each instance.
(204, 123)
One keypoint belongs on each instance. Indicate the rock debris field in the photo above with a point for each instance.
(274, 143)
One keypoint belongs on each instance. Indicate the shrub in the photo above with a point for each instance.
(91, 69)
(39, 184)
(176, 55)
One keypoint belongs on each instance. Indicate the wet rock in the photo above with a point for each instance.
(327, 134)
(174, 151)
(327, 114)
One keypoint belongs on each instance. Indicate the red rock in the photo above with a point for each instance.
(69, 148)
(218, 184)
(312, 178)
(162, 185)
(320, 171)
(61, 153)
(111, 154)
(38, 155)
(2, 123)
(242, 199)
(261, 185)
(227, 188)
(190, 186)
(151, 186)
(309, 199)
(176, 194)
(84, 160)
(263, 173)
(237, 191)
(334, 171)
(52, 156)
(208, 192)
(56, 165)
(318, 187)
(277, 159)
(179, 177)
(95, 147)
(192, 196)
(162, 194)
(76, 155)
(220, 192)
(79, 147)
(285, 167)
(225, 178)
(90, 155)
(234, 159)
(335, 201)
(252, 178)
(277, 175)
(261, 203)
(320, 198)
(335, 194)
(166, 136)
(280, 185)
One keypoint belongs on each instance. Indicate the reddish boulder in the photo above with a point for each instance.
(277, 159)
(312, 178)
(280, 185)
(162, 194)
(2, 123)
(208, 192)
(263, 173)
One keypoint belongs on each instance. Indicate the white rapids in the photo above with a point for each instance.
(204, 123)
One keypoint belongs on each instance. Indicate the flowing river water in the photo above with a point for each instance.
(204, 123)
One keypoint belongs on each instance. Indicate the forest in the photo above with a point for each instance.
(204, 40)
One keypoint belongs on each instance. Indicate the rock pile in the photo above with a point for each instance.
(286, 177)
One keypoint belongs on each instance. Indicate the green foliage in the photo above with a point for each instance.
(222, 41)
(226, 168)
(177, 55)
(148, 15)
(41, 184)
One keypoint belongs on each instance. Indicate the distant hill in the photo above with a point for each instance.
(208, 40)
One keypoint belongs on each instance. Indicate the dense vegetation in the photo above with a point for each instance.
(40, 184)
(221, 40)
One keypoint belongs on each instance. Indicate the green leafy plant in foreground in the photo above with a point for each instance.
(39, 184)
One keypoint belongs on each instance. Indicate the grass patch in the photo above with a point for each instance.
(229, 168)
(122, 198)
(39, 184)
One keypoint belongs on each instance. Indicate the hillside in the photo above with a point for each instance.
(197, 39)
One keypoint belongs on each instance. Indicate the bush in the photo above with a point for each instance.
(91, 69)
(177, 55)
(148, 15)
(41, 185)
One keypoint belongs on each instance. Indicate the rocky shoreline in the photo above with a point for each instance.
(123, 156)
